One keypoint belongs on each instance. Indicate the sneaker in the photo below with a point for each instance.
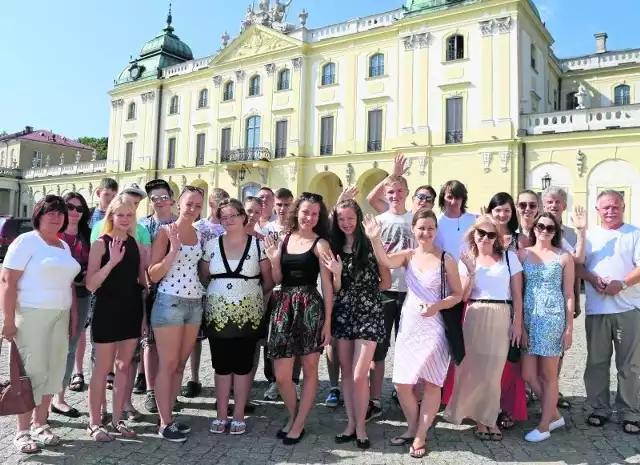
(374, 410)
(298, 391)
(140, 384)
(272, 392)
(172, 433)
(333, 399)
(183, 428)
(150, 402)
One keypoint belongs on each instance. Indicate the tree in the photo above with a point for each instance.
(98, 143)
(3, 133)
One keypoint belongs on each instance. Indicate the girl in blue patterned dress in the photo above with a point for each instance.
(548, 318)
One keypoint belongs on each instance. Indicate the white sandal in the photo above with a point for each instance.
(43, 435)
(25, 443)
(216, 424)
(240, 427)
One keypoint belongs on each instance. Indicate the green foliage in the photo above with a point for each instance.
(98, 143)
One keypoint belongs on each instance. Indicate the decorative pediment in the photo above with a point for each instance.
(256, 40)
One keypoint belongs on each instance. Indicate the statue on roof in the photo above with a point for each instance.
(279, 11)
(273, 16)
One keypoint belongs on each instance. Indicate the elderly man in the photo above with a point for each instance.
(612, 275)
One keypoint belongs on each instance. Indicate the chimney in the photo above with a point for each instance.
(601, 42)
(28, 129)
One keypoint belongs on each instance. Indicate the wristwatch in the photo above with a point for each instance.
(624, 285)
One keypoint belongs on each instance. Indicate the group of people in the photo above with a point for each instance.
(284, 273)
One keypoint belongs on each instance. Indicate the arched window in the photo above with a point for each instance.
(203, 98)
(250, 189)
(455, 47)
(572, 101)
(622, 95)
(227, 93)
(284, 78)
(254, 86)
(328, 74)
(376, 65)
(131, 111)
(174, 105)
(252, 140)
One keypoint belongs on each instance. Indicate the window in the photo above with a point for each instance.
(374, 135)
(455, 47)
(37, 159)
(131, 111)
(376, 65)
(555, 99)
(14, 162)
(128, 156)
(453, 133)
(171, 153)
(533, 56)
(326, 135)
(203, 99)
(254, 86)
(200, 146)
(250, 190)
(281, 139)
(227, 94)
(572, 101)
(252, 139)
(225, 144)
(329, 74)
(284, 78)
(622, 95)
(173, 105)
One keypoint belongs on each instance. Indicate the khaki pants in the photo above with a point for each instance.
(43, 342)
(624, 330)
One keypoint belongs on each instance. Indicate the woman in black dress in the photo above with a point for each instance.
(115, 273)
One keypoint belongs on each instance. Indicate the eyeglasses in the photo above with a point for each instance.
(425, 197)
(192, 189)
(160, 198)
(489, 235)
(524, 205)
(224, 219)
(78, 208)
(551, 229)
(311, 197)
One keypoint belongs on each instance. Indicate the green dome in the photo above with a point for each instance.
(167, 42)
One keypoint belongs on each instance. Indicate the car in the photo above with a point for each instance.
(10, 228)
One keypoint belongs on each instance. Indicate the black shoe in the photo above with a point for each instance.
(289, 441)
(71, 413)
(363, 444)
(281, 434)
(192, 389)
(373, 411)
(140, 385)
(172, 433)
(345, 438)
(394, 397)
(150, 402)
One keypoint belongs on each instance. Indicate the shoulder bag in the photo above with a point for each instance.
(514, 352)
(16, 395)
(452, 318)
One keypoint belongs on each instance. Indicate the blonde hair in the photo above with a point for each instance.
(470, 239)
(116, 203)
(393, 179)
(218, 194)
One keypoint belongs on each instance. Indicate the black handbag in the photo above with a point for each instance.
(514, 353)
(452, 318)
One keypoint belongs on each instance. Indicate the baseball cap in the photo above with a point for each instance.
(133, 188)
(158, 184)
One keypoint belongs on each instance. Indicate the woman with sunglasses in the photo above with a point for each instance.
(301, 318)
(176, 315)
(492, 283)
(549, 300)
(76, 235)
(528, 207)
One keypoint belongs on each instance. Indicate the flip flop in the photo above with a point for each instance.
(418, 452)
(77, 382)
(399, 441)
(626, 429)
(596, 421)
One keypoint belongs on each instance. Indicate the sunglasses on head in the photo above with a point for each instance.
(311, 197)
(546, 227)
(425, 197)
(529, 205)
(192, 189)
(489, 235)
(78, 208)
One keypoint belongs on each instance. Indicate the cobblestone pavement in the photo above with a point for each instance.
(448, 444)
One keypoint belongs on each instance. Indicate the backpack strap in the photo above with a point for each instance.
(443, 278)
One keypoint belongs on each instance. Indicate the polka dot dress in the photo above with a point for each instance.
(182, 278)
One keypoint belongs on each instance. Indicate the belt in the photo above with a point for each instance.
(491, 301)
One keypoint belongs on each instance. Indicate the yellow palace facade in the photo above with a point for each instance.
(466, 89)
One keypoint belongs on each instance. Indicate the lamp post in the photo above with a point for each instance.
(546, 181)
(242, 172)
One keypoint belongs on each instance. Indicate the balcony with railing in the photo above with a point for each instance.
(326, 149)
(453, 137)
(97, 166)
(374, 146)
(14, 173)
(589, 119)
(245, 154)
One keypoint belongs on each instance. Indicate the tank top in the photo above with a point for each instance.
(122, 282)
(300, 269)
(182, 277)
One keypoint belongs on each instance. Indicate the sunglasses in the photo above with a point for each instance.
(192, 189)
(551, 229)
(530, 205)
(78, 208)
(311, 197)
(160, 198)
(425, 197)
(489, 235)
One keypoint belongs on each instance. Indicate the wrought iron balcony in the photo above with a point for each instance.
(11, 173)
(281, 152)
(453, 137)
(246, 154)
(326, 149)
(374, 146)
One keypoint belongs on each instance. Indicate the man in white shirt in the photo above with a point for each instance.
(266, 195)
(612, 285)
(455, 221)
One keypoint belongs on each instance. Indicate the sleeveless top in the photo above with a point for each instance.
(122, 282)
(300, 269)
(182, 278)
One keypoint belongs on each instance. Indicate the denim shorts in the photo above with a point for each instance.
(171, 310)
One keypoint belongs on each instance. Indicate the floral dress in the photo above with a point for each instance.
(357, 309)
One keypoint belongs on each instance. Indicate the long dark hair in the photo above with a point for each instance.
(503, 198)
(556, 241)
(83, 225)
(361, 244)
(458, 190)
(322, 227)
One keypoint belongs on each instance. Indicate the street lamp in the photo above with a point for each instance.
(242, 172)
(546, 181)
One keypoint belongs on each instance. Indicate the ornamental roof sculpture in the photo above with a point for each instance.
(273, 16)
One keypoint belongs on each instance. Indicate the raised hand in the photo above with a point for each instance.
(400, 165)
(349, 193)
(372, 228)
(174, 238)
(272, 248)
(116, 251)
(331, 263)
(469, 261)
(579, 217)
(483, 210)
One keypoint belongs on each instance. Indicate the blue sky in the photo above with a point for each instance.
(59, 59)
